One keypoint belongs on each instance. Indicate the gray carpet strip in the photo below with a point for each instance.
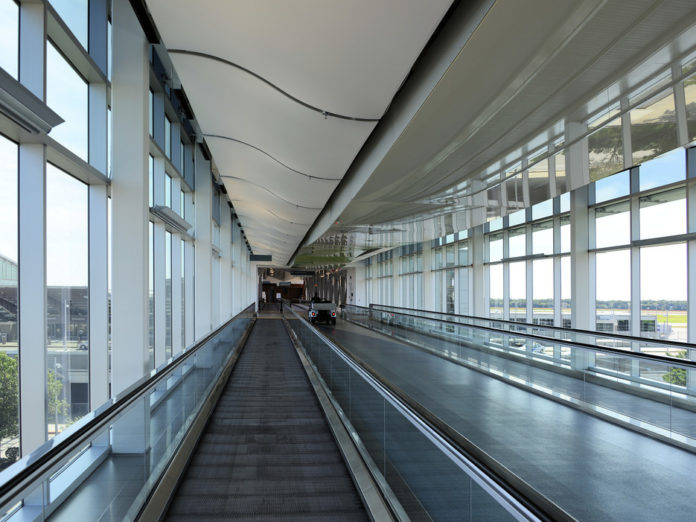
(267, 452)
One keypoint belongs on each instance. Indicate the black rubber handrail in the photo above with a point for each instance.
(593, 333)
(672, 361)
(101, 419)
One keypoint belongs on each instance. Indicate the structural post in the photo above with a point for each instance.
(204, 251)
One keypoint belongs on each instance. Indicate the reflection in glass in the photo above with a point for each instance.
(9, 278)
(690, 94)
(167, 190)
(538, 176)
(663, 214)
(560, 166)
(663, 285)
(653, 127)
(74, 13)
(515, 193)
(613, 187)
(9, 37)
(613, 303)
(605, 148)
(613, 225)
(496, 291)
(168, 294)
(463, 255)
(542, 291)
(518, 291)
(664, 170)
(67, 95)
(67, 299)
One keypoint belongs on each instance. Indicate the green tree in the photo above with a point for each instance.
(676, 375)
(56, 406)
(9, 397)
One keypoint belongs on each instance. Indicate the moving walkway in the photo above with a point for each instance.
(265, 418)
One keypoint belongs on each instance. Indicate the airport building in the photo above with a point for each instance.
(384, 260)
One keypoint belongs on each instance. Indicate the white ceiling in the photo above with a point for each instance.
(343, 57)
(525, 67)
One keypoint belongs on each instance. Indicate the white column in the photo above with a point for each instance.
(582, 284)
(129, 193)
(177, 324)
(479, 288)
(203, 246)
(159, 289)
(32, 242)
(32, 292)
(428, 297)
(98, 297)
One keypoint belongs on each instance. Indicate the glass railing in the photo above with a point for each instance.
(110, 460)
(430, 478)
(651, 393)
(650, 345)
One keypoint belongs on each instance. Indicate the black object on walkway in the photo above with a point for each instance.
(267, 452)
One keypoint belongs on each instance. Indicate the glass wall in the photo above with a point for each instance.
(168, 294)
(151, 293)
(9, 279)
(67, 299)
(9, 37)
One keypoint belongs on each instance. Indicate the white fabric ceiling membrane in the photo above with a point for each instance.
(261, 77)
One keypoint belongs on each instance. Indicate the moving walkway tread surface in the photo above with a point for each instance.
(593, 469)
(267, 452)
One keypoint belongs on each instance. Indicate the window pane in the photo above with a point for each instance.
(67, 95)
(518, 291)
(565, 234)
(496, 291)
(74, 13)
(168, 294)
(542, 292)
(664, 170)
(653, 128)
(663, 214)
(463, 247)
(182, 204)
(9, 278)
(167, 137)
(449, 291)
(167, 190)
(542, 238)
(495, 246)
(543, 209)
(561, 182)
(151, 294)
(9, 37)
(614, 291)
(183, 293)
(663, 300)
(539, 182)
(450, 255)
(67, 298)
(613, 187)
(517, 218)
(151, 174)
(613, 226)
(464, 291)
(151, 109)
(690, 93)
(565, 202)
(566, 294)
(605, 148)
(517, 242)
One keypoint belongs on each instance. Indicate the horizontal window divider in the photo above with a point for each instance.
(25, 109)
(625, 246)
(171, 218)
(525, 258)
(679, 238)
(68, 45)
(70, 162)
(594, 333)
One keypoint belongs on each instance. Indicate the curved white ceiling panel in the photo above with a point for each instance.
(343, 56)
(231, 103)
